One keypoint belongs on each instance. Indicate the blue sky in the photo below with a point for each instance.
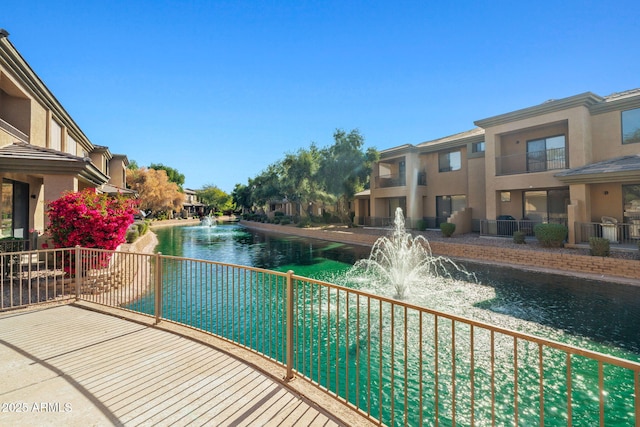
(221, 89)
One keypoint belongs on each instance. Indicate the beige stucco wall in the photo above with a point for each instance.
(501, 139)
(476, 199)
(609, 204)
(607, 137)
(39, 125)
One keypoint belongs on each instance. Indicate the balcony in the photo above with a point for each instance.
(534, 161)
(388, 181)
(15, 132)
(335, 340)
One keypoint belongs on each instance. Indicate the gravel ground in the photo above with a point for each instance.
(475, 239)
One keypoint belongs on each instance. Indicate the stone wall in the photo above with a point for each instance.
(610, 268)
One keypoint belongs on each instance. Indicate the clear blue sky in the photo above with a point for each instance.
(221, 89)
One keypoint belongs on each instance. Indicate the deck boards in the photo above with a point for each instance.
(69, 366)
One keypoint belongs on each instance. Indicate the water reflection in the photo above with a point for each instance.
(605, 313)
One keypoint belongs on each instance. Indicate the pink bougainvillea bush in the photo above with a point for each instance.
(89, 220)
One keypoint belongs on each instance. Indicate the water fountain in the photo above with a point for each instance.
(208, 221)
(405, 262)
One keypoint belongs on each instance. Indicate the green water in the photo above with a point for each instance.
(600, 317)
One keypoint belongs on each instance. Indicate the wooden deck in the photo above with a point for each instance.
(66, 365)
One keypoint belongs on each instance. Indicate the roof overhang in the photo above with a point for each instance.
(619, 169)
(586, 99)
(29, 159)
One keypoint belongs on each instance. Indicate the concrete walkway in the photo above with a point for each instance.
(68, 366)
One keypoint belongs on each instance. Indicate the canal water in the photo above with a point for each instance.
(599, 316)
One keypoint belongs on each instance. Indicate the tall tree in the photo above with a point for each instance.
(156, 193)
(133, 165)
(172, 174)
(346, 169)
(299, 179)
(268, 185)
(215, 199)
(241, 196)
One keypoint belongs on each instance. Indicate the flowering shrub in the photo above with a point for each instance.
(90, 220)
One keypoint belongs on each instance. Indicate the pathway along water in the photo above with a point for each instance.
(600, 317)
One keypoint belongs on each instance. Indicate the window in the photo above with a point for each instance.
(477, 147)
(447, 205)
(631, 126)
(450, 161)
(55, 135)
(6, 209)
(402, 173)
(546, 154)
(505, 196)
(548, 205)
(72, 146)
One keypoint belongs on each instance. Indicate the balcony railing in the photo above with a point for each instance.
(14, 131)
(506, 227)
(620, 233)
(536, 161)
(393, 362)
(387, 181)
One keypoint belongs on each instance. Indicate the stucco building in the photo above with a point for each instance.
(574, 160)
(43, 152)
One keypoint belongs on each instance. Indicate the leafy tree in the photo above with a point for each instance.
(241, 197)
(172, 174)
(299, 179)
(346, 169)
(267, 186)
(156, 193)
(133, 165)
(216, 199)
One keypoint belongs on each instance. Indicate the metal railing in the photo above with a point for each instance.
(506, 227)
(393, 362)
(536, 161)
(13, 245)
(14, 131)
(622, 233)
(387, 181)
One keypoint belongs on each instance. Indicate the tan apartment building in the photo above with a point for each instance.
(574, 160)
(43, 152)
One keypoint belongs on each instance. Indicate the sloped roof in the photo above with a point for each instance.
(112, 189)
(611, 170)
(455, 137)
(21, 157)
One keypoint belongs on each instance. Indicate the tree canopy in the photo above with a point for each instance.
(172, 174)
(156, 193)
(215, 199)
(311, 175)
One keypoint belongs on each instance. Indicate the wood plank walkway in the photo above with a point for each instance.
(66, 365)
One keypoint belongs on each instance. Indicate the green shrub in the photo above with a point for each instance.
(304, 222)
(132, 235)
(447, 229)
(285, 221)
(550, 235)
(278, 214)
(142, 226)
(518, 237)
(421, 225)
(599, 246)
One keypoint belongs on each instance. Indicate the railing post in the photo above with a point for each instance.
(78, 271)
(158, 288)
(290, 322)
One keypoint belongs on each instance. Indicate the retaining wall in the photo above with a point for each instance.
(609, 268)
